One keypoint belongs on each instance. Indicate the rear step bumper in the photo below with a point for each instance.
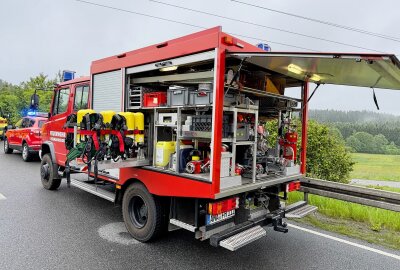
(241, 239)
(247, 232)
(299, 210)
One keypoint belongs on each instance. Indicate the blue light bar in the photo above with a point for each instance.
(68, 75)
(264, 46)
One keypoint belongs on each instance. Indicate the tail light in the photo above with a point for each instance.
(293, 186)
(35, 132)
(220, 207)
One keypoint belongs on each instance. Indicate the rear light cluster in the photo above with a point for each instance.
(36, 132)
(293, 186)
(3, 122)
(220, 207)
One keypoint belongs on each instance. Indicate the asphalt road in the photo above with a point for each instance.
(71, 229)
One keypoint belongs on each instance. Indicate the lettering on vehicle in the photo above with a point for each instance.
(57, 136)
(210, 219)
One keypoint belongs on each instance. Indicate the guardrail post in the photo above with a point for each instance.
(306, 197)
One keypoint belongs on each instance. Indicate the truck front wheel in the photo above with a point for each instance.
(144, 214)
(47, 173)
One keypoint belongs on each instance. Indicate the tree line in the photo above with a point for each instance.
(15, 99)
(364, 131)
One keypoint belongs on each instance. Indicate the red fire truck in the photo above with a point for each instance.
(175, 132)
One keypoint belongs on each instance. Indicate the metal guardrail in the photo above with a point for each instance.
(350, 193)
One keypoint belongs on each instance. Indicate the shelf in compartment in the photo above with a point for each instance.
(258, 92)
(205, 177)
(160, 125)
(194, 77)
(245, 143)
(186, 107)
(250, 109)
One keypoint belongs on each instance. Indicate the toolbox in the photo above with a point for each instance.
(201, 97)
(168, 119)
(154, 99)
(243, 132)
(204, 123)
(178, 96)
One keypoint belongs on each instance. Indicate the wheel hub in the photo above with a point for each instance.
(45, 172)
(25, 151)
(138, 212)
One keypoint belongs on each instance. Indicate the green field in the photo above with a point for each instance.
(364, 222)
(376, 167)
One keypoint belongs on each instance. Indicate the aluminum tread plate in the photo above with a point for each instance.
(91, 188)
(243, 238)
(302, 211)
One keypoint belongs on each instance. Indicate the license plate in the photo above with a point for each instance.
(211, 219)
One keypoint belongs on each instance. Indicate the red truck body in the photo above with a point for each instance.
(192, 200)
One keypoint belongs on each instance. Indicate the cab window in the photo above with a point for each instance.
(81, 97)
(61, 101)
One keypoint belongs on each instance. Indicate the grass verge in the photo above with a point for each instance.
(367, 223)
(392, 189)
(376, 167)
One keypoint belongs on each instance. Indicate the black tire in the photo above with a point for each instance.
(7, 148)
(26, 155)
(144, 214)
(47, 173)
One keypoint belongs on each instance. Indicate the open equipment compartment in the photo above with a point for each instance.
(181, 114)
(181, 85)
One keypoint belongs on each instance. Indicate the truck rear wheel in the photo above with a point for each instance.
(47, 173)
(144, 214)
(7, 148)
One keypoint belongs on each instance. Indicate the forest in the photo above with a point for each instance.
(364, 131)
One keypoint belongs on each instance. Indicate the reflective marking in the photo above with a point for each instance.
(117, 233)
(397, 257)
(2, 197)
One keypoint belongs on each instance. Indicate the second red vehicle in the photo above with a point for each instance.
(25, 137)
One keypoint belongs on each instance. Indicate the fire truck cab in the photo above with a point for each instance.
(175, 132)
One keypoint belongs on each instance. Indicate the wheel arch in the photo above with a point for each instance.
(121, 191)
(48, 148)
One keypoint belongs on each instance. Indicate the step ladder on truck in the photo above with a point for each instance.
(176, 134)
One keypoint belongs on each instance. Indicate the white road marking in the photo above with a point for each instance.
(2, 197)
(117, 233)
(397, 257)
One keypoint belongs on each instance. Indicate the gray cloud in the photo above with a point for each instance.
(51, 35)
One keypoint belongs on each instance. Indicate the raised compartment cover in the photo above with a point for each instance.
(366, 70)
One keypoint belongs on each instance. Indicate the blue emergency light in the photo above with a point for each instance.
(68, 75)
(264, 46)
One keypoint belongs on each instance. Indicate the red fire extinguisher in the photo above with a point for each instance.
(289, 144)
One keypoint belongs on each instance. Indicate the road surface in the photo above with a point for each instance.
(71, 229)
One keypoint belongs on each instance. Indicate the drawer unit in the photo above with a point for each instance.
(135, 97)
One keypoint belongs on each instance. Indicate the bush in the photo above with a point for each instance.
(327, 155)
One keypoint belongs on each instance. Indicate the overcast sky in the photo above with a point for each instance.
(51, 35)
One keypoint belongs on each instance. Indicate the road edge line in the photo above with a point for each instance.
(394, 256)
